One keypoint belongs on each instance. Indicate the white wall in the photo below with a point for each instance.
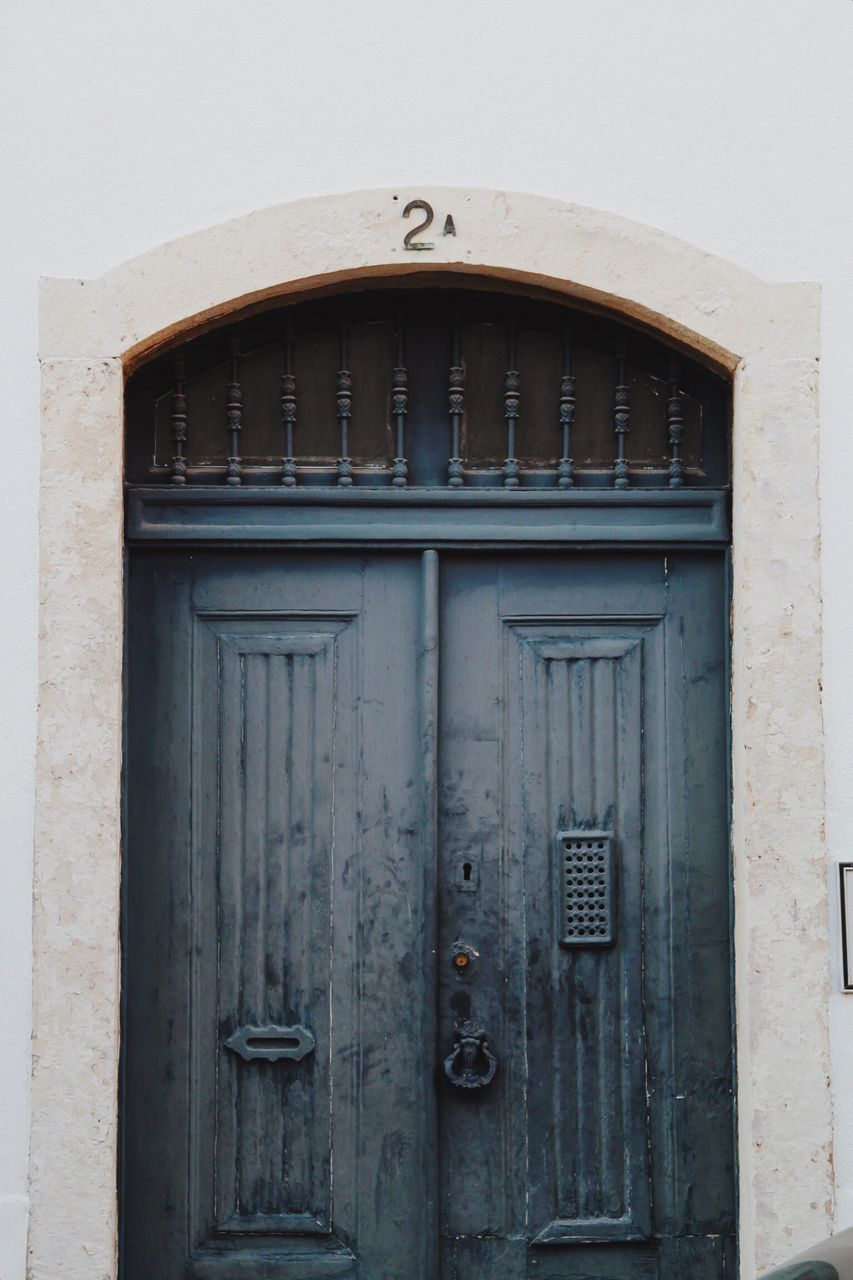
(730, 124)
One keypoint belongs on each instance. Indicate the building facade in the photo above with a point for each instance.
(680, 176)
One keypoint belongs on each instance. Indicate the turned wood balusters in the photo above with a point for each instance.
(565, 477)
(675, 424)
(288, 412)
(343, 399)
(506, 388)
(234, 417)
(621, 420)
(399, 405)
(456, 404)
(512, 401)
(179, 422)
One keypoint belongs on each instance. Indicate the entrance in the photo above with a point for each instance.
(428, 915)
(427, 935)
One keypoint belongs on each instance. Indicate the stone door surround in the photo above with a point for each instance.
(766, 335)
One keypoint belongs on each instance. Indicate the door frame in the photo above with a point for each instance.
(766, 336)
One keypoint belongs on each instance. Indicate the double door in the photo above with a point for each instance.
(427, 921)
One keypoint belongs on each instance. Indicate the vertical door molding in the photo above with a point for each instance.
(768, 333)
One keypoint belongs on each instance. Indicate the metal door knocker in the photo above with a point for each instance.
(471, 1064)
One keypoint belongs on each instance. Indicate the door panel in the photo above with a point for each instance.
(413, 819)
(266, 692)
(575, 725)
(276, 878)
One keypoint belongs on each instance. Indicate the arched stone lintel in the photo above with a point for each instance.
(716, 308)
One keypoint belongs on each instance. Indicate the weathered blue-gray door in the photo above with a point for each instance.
(584, 868)
(278, 883)
(427, 926)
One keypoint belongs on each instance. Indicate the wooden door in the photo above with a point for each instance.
(427, 977)
(277, 879)
(585, 873)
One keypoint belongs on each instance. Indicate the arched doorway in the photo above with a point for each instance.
(94, 333)
(428, 947)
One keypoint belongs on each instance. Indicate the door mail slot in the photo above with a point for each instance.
(271, 1043)
(586, 887)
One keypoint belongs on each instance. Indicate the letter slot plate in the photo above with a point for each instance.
(586, 888)
(271, 1043)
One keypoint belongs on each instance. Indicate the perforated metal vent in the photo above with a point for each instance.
(586, 888)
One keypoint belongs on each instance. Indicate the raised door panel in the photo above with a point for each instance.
(269, 726)
(576, 717)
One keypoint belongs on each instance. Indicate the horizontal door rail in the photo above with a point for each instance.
(445, 517)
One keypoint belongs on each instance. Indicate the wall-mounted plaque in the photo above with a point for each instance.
(846, 886)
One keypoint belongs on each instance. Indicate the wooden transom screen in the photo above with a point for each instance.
(428, 387)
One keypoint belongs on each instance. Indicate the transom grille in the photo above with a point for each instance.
(586, 884)
(427, 387)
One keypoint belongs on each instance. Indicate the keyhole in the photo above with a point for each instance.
(466, 871)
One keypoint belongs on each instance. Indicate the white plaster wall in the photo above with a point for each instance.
(730, 124)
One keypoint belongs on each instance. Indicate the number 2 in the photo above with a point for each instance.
(409, 241)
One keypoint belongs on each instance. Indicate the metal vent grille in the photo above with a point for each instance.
(586, 888)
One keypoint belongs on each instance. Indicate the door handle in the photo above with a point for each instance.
(271, 1043)
(470, 1063)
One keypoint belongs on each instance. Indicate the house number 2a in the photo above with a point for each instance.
(409, 241)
